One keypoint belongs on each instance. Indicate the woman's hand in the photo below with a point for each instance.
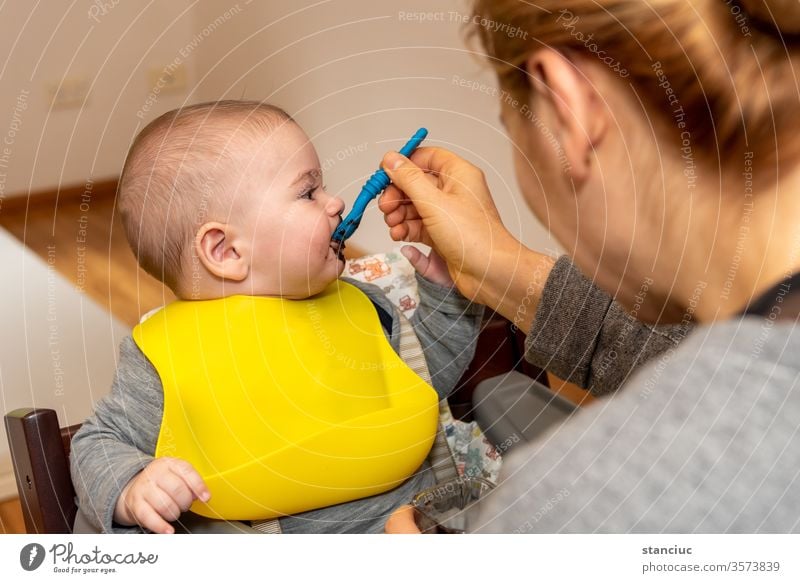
(440, 199)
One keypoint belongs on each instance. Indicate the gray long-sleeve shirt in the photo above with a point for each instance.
(119, 440)
(581, 335)
(704, 437)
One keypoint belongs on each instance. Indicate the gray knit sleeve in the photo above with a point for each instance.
(583, 336)
(119, 440)
(447, 325)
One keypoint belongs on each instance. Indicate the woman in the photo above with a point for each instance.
(658, 142)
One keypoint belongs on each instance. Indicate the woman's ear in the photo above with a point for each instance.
(578, 108)
(220, 251)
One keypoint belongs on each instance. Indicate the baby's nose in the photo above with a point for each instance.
(335, 206)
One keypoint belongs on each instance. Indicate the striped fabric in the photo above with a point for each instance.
(440, 458)
(271, 526)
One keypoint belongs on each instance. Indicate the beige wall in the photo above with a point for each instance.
(359, 75)
(112, 50)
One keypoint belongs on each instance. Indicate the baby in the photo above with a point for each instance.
(220, 200)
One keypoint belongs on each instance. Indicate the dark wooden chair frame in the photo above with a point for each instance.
(40, 456)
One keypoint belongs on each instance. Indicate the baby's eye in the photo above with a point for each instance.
(309, 193)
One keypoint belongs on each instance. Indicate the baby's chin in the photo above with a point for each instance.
(305, 285)
(321, 284)
(324, 283)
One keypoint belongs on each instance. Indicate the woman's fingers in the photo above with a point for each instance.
(438, 161)
(400, 232)
(452, 211)
(427, 175)
(411, 179)
(396, 216)
(391, 200)
(401, 215)
(405, 225)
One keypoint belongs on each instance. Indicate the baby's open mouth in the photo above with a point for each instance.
(338, 249)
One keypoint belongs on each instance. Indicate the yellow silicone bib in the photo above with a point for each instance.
(285, 406)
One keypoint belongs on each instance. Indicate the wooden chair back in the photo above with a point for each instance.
(40, 455)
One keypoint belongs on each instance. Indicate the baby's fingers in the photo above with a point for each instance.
(147, 517)
(185, 472)
(168, 507)
(416, 258)
(431, 267)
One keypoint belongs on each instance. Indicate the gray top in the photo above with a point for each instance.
(119, 440)
(703, 438)
(581, 335)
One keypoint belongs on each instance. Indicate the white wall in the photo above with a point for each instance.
(57, 348)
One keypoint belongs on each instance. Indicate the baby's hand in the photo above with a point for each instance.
(431, 267)
(159, 494)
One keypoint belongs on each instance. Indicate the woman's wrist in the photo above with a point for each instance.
(514, 281)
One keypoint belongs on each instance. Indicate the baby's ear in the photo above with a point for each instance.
(217, 247)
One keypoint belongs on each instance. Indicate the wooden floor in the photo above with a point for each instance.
(90, 250)
(11, 517)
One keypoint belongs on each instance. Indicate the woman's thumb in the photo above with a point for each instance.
(407, 176)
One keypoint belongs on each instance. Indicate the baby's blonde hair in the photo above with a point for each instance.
(725, 68)
(177, 169)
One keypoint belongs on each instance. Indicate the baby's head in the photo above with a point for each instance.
(227, 198)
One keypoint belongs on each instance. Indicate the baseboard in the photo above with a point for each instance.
(8, 484)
